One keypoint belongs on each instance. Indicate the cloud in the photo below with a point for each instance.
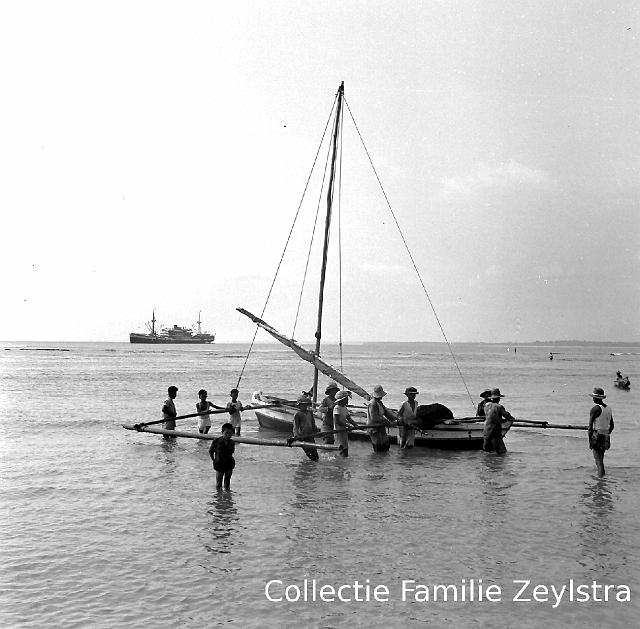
(493, 178)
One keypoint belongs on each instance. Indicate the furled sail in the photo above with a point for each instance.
(310, 357)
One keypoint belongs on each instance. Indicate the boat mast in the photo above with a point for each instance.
(199, 322)
(332, 173)
(153, 323)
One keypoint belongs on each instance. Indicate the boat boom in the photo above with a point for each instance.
(310, 357)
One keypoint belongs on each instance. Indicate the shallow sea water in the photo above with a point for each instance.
(102, 527)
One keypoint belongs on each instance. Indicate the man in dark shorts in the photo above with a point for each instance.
(221, 453)
(600, 428)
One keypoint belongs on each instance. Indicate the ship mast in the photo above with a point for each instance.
(199, 322)
(327, 225)
(153, 323)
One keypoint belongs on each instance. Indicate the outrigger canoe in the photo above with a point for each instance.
(453, 434)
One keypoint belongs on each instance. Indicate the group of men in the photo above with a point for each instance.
(337, 421)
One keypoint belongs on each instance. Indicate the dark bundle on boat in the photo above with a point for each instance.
(430, 414)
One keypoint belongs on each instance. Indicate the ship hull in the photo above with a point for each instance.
(159, 340)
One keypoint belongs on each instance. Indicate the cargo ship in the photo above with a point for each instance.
(175, 334)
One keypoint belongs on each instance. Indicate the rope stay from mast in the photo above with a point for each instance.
(336, 158)
(406, 246)
(288, 240)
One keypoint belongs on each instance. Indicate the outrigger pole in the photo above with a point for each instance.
(327, 225)
(310, 357)
(249, 440)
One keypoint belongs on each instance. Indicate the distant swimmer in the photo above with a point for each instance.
(169, 412)
(622, 382)
(495, 414)
(600, 428)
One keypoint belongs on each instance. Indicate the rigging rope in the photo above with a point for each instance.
(313, 233)
(295, 218)
(424, 288)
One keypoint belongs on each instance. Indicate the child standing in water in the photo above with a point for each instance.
(204, 421)
(235, 408)
(169, 412)
(221, 453)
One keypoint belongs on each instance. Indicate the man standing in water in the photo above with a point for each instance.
(304, 426)
(341, 418)
(600, 428)
(407, 419)
(378, 418)
(494, 414)
(169, 412)
(326, 410)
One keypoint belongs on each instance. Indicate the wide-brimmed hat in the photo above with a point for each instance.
(332, 386)
(378, 391)
(495, 393)
(598, 392)
(486, 393)
(411, 390)
(303, 399)
(340, 395)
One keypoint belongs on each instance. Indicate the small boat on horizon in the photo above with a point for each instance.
(173, 335)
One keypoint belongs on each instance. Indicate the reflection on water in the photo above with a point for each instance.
(168, 447)
(597, 503)
(222, 523)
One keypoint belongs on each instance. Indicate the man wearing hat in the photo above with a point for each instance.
(407, 419)
(378, 418)
(169, 412)
(485, 395)
(304, 425)
(494, 414)
(326, 410)
(600, 428)
(341, 420)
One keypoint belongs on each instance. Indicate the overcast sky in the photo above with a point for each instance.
(153, 155)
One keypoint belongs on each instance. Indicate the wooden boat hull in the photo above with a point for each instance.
(455, 436)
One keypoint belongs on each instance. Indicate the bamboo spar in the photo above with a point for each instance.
(310, 357)
(248, 440)
(527, 424)
(218, 411)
